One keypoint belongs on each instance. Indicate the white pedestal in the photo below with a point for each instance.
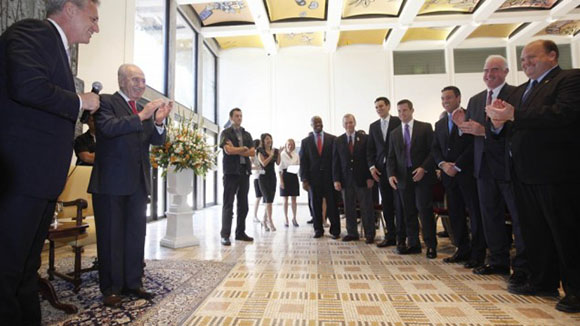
(179, 232)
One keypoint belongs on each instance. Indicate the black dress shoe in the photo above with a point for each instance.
(457, 257)
(528, 289)
(408, 250)
(431, 253)
(112, 300)
(569, 303)
(472, 263)
(244, 237)
(140, 293)
(318, 235)
(386, 243)
(400, 248)
(488, 269)
(370, 240)
(518, 278)
(310, 221)
(350, 238)
(226, 242)
(335, 236)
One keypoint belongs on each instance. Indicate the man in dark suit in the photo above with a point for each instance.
(540, 120)
(39, 108)
(238, 147)
(453, 154)
(316, 176)
(411, 172)
(494, 184)
(353, 178)
(377, 151)
(120, 182)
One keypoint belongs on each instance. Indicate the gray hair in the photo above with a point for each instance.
(56, 6)
(349, 115)
(497, 57)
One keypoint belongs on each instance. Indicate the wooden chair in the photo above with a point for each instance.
(74, 204)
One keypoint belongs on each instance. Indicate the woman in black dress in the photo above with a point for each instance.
(289, 179)
(268, 156)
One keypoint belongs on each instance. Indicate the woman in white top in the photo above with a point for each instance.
(289, 163)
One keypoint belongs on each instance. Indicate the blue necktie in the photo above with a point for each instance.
(449, 122)
(408, 145)
(529, 90)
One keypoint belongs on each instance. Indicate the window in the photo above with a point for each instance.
(149, 50)
(564, 60)
(185, 67)
(419, 62)
(473, 60)
(209, 183)
(209, 84)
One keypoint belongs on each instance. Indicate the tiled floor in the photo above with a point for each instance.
(288, 278)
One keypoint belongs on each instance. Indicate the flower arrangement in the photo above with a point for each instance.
(185, 147)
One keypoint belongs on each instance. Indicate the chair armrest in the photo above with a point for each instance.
(80, 204)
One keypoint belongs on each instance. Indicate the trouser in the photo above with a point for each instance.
(350, 196)
(120, 222)
(417, 197)
(25, 222)
(236, 186)
(392, 211)
(319, 191)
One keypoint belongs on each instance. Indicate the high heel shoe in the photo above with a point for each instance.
(295, 223)
(286, 224)
(265, 226)
(272, 227)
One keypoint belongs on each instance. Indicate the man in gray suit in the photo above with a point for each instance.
(494, 183)
(411, 172)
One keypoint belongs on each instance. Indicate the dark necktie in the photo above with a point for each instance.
(133, 106)
(529, 90)
(319, 144)
(408, 145)
(489, 97)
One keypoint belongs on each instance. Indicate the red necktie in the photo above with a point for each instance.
(133, 106)
(350, 144)
(319, 144)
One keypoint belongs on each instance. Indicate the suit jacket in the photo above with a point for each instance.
(378, 146)
(231, 163)
(122, 152)
(39, 108)
(496, 156)
(315, 168)
(351, 169)
(452, 148)
(421, 141)
(544, 137)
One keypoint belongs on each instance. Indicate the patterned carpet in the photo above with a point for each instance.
(179, 287)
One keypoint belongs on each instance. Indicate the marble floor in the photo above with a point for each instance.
(288, 278)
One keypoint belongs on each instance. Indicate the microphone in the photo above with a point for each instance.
(97, 86)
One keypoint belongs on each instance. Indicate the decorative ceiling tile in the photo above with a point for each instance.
(427, 34)
(448, 6)
(353, 8)
(494, 30)
(375, 36)
(300, 39)
(223, 12)
(527, 4)
(249, 41)
(288, 9)
(563, 27)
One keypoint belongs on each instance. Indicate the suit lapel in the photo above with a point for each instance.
(63, 56)
(536, 90)
(123, 104)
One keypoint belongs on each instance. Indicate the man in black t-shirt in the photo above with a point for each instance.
(85, 145)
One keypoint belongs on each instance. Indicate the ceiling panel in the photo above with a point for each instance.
(376, 36)
(289, 9)
(564, 27)
(250, 41)
(223, 12)
(528, 4)
(353, 8)
(300, 39)
(494, 30)
(427, 34)
(448, 6)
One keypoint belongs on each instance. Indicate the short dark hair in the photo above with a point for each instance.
(234, 110)
(455, 90)
(256, 143)
(384, 99)
(263, 137)
(405, 101)
(550, 46)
